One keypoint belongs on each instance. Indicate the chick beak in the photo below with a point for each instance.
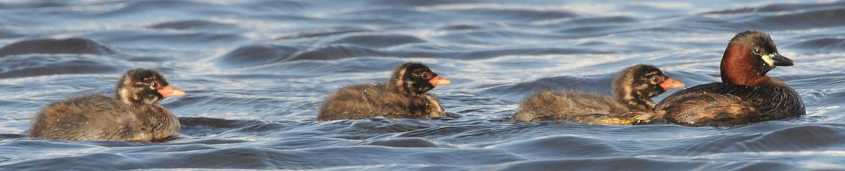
(781, 60)
(438, 80)
(670, 83)
(168, 91)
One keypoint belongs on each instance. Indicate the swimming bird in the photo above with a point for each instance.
(133, 114)
(631, 102)
(745, 95)
(404, 95)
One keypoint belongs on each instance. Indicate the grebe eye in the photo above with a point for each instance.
(426, 76)
(656, 79)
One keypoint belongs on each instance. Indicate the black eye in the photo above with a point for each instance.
(656, 79)
(426, 76)
(756, 51)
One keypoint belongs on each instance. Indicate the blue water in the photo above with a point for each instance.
(256, 72)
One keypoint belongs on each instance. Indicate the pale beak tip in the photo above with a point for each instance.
(169, 91)
(672, 84)
(178, 93)
(445, 82)
(436, 81)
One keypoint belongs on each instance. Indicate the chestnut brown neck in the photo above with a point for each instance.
(739, 67)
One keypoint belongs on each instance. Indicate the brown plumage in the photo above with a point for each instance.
(745, 95)
(403, 96)
(134, 114)
(631, 102)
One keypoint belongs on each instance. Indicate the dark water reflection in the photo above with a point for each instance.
(256, 72)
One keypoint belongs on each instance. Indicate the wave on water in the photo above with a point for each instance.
(256, 73)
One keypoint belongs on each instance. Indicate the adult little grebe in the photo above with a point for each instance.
(745, 94)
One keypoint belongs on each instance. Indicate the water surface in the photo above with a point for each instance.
(256, 71)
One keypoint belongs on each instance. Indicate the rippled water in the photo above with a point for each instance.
(256, 72)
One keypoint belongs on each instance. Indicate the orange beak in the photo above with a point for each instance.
(168, 91)
(438, 80)
(670, 83)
